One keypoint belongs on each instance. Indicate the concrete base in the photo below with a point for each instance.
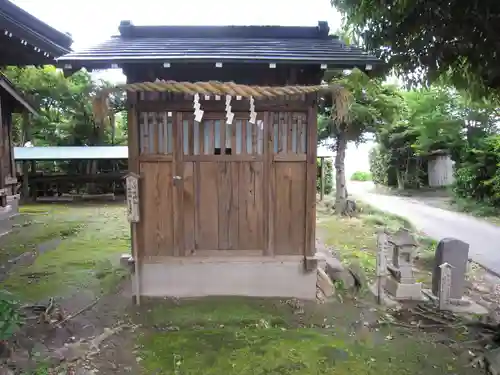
(404, 291)
(262, 277)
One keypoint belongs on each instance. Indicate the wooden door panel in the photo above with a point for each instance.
(207, 223)
(290, 208)
(251, 216)
(227, 195)
(157, 219)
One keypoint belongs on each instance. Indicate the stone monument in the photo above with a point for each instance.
(455, 253)
(401, 284)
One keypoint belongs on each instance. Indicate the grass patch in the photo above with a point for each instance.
(237, 336)
(91, 237)
(32, 230)
(355, 239)
(475, 208)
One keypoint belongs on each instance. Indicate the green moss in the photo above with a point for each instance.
(208, 339)
(90, 237)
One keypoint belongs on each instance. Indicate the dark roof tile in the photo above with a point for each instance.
(221, 43)
(29, 28)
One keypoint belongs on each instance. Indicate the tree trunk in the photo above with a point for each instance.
(340, 183)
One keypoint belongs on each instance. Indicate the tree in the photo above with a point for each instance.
(372, 105)
(431, 38)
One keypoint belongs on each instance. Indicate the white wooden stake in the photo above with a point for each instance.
(445, 286)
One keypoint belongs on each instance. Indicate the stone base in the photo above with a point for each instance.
(465, 305)
(404, 291)
(227, 276)
(385, 299)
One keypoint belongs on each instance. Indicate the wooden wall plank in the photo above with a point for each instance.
(281, 132)
(222, 135)
(189, 208)
(202, 137)
(244, 146)
(207, 225)
(250, 224)
(227, 205)
(210, 136)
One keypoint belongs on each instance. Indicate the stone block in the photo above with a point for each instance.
(404, 291)
(324, 283)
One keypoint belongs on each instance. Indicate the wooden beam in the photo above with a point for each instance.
(243, 106)
(322, 178)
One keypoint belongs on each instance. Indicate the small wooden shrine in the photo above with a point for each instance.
(227, 171)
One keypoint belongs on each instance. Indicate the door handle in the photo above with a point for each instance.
(177, 178)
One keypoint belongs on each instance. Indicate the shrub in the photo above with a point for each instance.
(9, 315)
(361, 176)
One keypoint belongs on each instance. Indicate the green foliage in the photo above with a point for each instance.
(66, 112)
(328, 176)
(477, 174)
(10, 319)
(373, 104)
(379, 165)
(426, 39)
(361, 176)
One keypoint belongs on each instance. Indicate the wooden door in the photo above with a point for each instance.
(222, 193)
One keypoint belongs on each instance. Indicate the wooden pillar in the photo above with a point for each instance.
(26, 187)
(3, 197)
(268, 185)
(133, 166)
(322, 178)
(311, 175)
(26, 138)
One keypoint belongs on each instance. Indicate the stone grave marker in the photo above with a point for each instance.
(445, 286)
(456, 254)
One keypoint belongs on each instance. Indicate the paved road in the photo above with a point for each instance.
(483, 237)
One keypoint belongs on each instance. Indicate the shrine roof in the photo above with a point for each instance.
(244, 44)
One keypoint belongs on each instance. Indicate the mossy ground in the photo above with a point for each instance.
(253, 336)
(222, 335)
(86, 240)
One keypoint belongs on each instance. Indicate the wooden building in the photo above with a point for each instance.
(227, 201)
(24, 40)
(440, 169)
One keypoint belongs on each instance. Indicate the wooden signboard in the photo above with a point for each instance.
(132, 183)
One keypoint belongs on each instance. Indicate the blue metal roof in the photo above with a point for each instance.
(70, 152)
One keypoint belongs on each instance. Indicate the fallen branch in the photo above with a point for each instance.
(89, 306)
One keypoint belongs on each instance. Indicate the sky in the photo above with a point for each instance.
(93, 21)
